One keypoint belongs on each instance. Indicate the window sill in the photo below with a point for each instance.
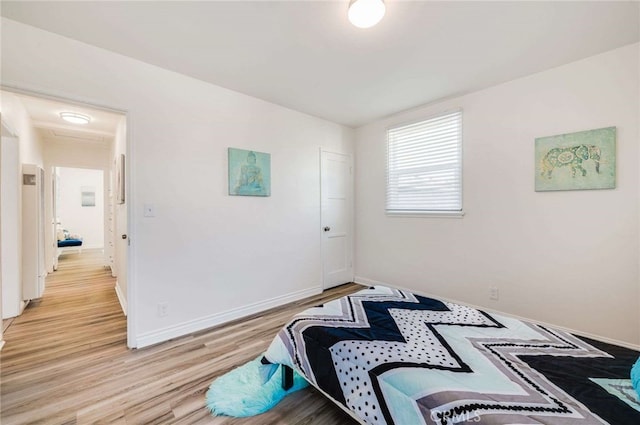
(426, 214)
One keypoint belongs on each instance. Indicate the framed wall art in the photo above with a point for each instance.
(88, 196)
(249, 173)
(120, 179)
(576, 161)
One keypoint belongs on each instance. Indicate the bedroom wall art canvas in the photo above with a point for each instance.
(576, 161)
(88, 196)
(120, 179)
(249, 173)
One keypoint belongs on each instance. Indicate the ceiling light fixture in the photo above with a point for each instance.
(366, 13)
(75, 118)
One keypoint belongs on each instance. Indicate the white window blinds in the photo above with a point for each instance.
(424, 169)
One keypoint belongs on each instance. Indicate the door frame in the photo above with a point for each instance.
(129, 190)
(8, 132)
(5, 131)
(352, 218)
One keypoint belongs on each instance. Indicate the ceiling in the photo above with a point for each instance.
(306, 56)
(45, 117)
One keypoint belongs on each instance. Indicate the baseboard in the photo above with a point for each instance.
(23, 305)
(121, 298)
(92, 246)
(370, 282)
(1, 344)
(165, 334)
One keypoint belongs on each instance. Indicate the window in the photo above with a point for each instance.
(424, 169)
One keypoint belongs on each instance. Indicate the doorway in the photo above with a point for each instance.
(336, 189)
(85, 208)
(79, 211)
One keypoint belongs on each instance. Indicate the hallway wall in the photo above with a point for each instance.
(78, 218)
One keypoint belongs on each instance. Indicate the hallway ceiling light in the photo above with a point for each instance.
(366, 13)
(75, 118)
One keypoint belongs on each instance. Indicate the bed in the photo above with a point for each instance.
(388, 356)
(68, 242)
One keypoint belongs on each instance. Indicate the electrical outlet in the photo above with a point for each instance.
(494, 294)
(149, 210)
(163, 309)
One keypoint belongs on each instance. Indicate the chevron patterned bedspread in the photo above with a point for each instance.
(392, 357)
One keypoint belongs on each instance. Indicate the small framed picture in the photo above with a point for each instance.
(88, 196)
(120, 179)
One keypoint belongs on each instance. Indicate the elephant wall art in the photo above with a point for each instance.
(576, 161)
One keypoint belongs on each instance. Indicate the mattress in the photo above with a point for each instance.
(388, 356)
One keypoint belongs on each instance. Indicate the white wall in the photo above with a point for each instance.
(84, 221)
(15, 114)
(76, 155)
(567, 258)
(29, 152)
(208, 255)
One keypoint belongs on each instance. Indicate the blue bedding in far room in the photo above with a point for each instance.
(69, 242)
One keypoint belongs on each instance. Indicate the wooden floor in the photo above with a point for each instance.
(65, 360)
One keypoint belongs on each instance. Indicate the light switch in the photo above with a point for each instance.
(149, 210)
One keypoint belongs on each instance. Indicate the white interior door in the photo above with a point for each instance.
(337, 218)
(54, 217)
(33, 260)
(121, 237)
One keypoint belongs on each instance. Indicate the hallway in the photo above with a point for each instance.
(60, 338)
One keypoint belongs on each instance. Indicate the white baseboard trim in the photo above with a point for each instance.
(185, 328)
(370, 282)
(92, 246)
(23, 305)
(121, 298)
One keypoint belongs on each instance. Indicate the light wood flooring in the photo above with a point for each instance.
(65, 360)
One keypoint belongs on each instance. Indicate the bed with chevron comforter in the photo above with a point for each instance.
(391, 357)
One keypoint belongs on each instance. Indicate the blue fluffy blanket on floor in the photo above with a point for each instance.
(246, 391)
(635, 377)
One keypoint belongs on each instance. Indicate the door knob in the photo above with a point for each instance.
(124, 236)
(327, 228)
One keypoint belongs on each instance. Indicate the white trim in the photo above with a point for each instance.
(8, 128)
(23, 305)
(185, 328)
(1, 344)
(426, 214)
(121, 298)
(47, 93)
(131, 195)
(370, 282)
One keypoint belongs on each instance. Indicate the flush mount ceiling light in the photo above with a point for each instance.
(75, 118)
(366, 13)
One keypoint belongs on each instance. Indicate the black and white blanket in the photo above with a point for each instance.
(392, 357)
